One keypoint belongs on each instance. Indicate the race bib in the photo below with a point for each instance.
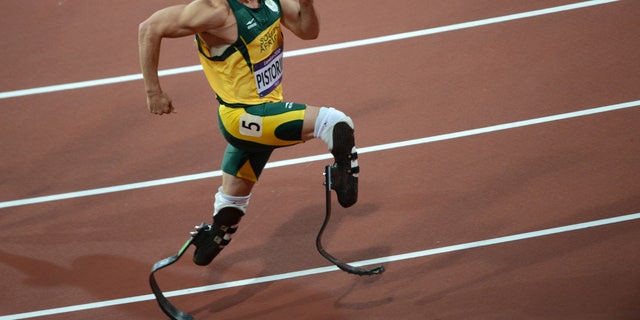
(250, 125)
(268, 73)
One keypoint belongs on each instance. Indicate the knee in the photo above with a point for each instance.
(327, 118)
(223, 200)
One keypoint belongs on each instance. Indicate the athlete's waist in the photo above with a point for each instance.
(224, 103)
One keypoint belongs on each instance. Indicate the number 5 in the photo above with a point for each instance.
(250, 125)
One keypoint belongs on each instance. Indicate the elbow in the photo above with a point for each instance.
(312, 36)
(143, 28)
(148, 28)
(147, 33)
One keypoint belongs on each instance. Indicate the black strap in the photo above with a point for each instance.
(340, 264)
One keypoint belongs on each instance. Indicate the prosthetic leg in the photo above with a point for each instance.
(211, 239)
(166, 306)
(339, 263)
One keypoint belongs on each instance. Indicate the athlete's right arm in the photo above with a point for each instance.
(172, 22)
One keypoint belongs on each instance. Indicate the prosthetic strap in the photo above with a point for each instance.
(340, 264)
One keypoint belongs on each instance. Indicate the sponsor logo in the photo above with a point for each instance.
(272, 5)
(251, 23)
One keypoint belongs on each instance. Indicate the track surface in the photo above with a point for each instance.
(89, 257)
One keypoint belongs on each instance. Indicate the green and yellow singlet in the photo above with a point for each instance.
(248, 72)
(247, 79)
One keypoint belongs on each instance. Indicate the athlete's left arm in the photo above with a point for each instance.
(300, 17)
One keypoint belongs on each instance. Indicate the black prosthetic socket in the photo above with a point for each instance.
(209, 239)
(344, 179)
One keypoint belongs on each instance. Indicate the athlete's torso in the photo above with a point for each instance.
(249, 71)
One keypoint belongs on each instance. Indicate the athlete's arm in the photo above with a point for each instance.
(300, 17)
(172, 22)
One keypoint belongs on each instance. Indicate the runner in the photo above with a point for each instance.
(240, 45)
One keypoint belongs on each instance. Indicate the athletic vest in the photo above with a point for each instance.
(249, 71)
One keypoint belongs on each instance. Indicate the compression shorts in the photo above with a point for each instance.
(253, 132)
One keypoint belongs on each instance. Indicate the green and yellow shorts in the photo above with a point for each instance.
(253, 132)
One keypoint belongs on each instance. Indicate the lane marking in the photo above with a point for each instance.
(315, 271)
(517, 237)
(314, 50)
(290, 162)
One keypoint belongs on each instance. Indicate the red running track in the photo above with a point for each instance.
(93, 254)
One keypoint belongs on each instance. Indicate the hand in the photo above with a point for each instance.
(160, 104)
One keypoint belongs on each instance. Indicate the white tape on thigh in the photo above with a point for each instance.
(223, 201)
(327, 119)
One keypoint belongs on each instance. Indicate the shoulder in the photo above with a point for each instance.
(289, 7)
(206, 15)
(209, 4)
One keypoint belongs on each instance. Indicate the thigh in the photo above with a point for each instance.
(246, 165)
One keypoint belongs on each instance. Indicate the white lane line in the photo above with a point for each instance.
(319, 49)
(401, 144)
(310, 272)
